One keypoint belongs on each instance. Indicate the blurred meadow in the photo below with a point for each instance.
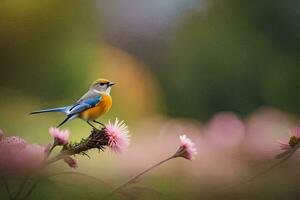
(223, 72)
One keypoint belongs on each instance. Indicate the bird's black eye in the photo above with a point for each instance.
(101, 84)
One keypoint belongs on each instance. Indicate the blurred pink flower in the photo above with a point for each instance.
(47, 147)
(1, 134)
(61, 137)
(225, 130)
(262, 128)
(293, 140)
(33, 156)
(187, 148)
(18, 156)
(71, 162)
(14, 141)
(118, 135)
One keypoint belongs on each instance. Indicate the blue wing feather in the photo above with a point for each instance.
(94, 101)
(86, 104)
(74, 109)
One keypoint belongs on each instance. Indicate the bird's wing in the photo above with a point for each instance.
(89, 95)
(84, 104)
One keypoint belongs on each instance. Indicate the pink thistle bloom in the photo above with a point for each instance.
(187, 148)
(293, 140)
(71, 162)
(118, 135)
(61, 137)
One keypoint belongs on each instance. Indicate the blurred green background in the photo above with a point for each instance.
(172, 59)
(222, 55)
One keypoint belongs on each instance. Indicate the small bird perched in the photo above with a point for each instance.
(96, 102)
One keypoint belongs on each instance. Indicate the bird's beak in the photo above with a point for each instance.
(112, 83)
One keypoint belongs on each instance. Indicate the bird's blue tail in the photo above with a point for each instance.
(61, 109)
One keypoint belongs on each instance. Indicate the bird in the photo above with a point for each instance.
(93, 104)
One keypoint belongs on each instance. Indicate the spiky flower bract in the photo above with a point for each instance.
(118, 135)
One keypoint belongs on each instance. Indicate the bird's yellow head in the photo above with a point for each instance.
(102, 85)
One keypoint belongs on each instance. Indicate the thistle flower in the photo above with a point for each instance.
(186, 149)
(71, 162)
(118, 135)
(293, 140)
(61, 137)
(113, 135)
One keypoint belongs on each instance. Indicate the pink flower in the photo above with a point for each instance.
(33, 156)
(1, 134)
(61, 137)
(13, 141)
(284, 146)
(293, 140)
(9, 147)
(187, 148)
(118, 135)
(71, 162)
(17, 156)
(226, 130)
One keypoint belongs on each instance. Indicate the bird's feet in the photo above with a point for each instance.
(99, 123)
(89, 123)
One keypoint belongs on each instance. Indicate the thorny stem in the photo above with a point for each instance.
(95, 140)
(135, 178)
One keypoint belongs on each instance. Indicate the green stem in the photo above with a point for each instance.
(21, 188)
(58, 157)
(264, 172)
(6, 187)
(53, 145)
(134, 179)
(283, 160)
(31, 190)
(80, 174)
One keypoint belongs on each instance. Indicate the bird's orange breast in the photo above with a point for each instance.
(101, 108)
